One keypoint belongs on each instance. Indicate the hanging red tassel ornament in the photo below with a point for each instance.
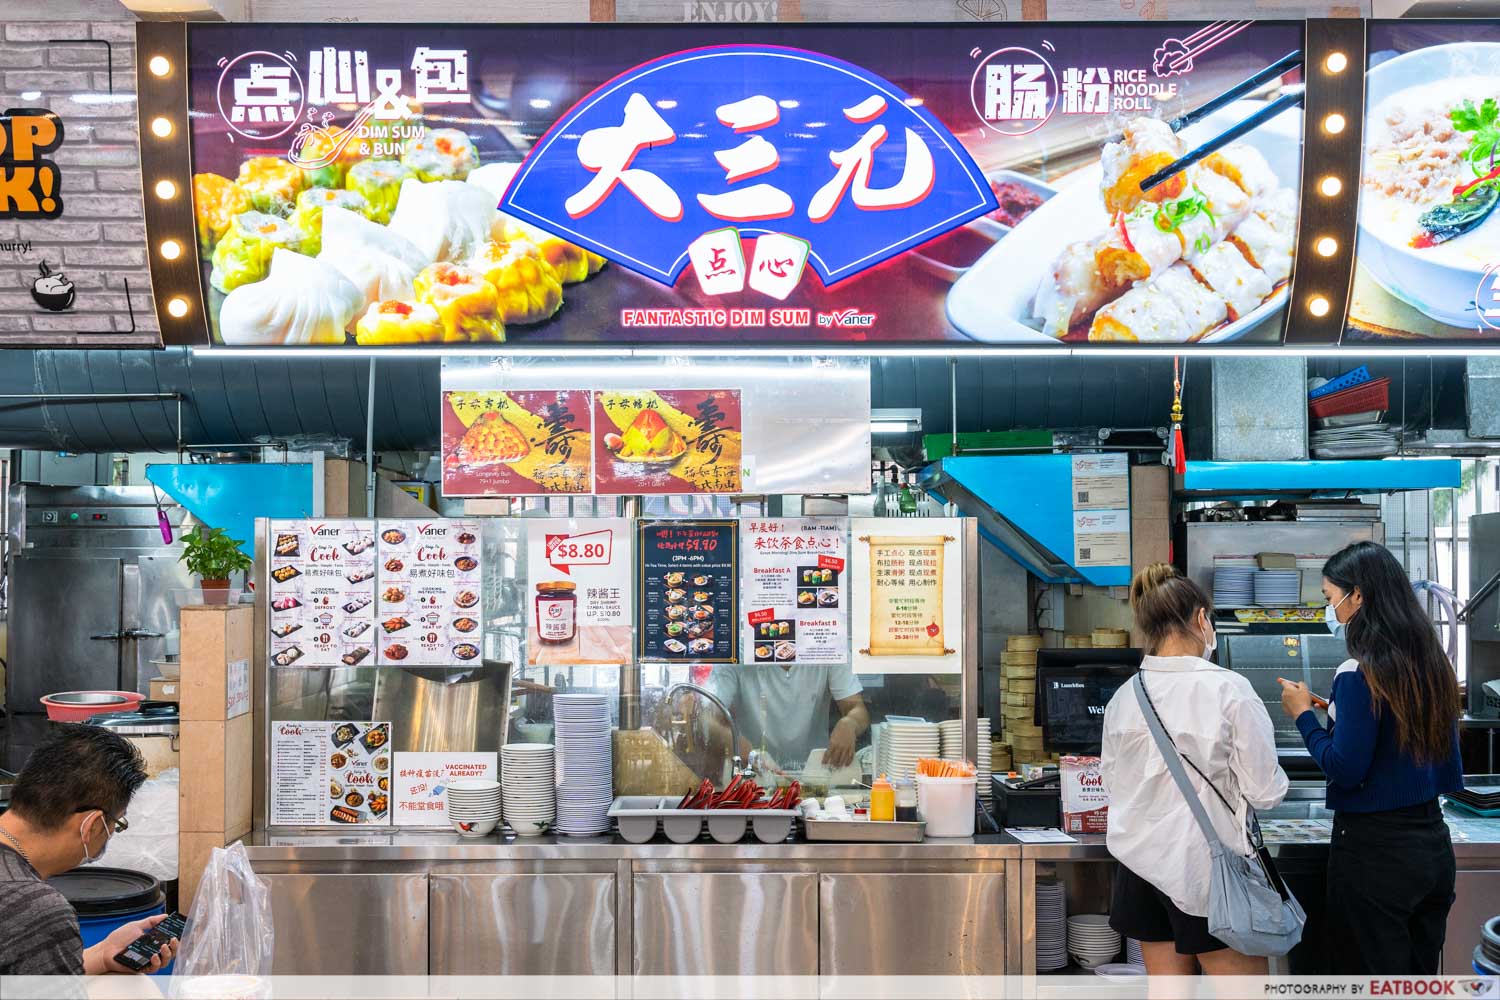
(1178, 449)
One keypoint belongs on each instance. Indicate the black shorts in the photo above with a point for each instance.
(1142, 911)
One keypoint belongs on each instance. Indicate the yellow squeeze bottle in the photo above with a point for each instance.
(882, 801)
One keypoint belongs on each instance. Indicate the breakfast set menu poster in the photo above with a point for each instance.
(793, 593)
(687, 576)
(741, 184)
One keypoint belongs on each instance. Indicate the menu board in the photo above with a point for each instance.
(715, 185)
(792, 591)
(429, 598)
(517, 443)
(322, 586)
(422, 778)
(578, 597)
(330, 773)
(687, 575)
(1427, 260)
(668, 441)
(908, 595)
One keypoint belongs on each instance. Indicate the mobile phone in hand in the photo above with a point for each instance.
(1317, 700)
(139, 953)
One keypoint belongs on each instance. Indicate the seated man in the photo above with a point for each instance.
(69, 800)
(782, 710)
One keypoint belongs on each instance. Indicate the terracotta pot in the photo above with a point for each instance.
(216, 591)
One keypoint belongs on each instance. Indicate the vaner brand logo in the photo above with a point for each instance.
(804, 160)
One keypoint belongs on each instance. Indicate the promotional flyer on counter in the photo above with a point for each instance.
(652, 184)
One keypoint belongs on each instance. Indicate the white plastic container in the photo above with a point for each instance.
(946, 805)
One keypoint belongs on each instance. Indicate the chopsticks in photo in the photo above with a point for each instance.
(1223, 139)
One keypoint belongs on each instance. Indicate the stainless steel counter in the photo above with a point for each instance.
(428, 846)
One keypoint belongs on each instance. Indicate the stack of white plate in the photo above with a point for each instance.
(473, 805)
(528, 773)
(1234, 586)
(1277, 588)
(584, 774)
(905, 743)
(952, 743)
(1051, 926)
(1133, 953)
(1091, 940)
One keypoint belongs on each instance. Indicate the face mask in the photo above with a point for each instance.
(83, 835)
(1212, 643)
(1331, 617)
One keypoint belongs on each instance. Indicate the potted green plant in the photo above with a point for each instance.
(212, 555)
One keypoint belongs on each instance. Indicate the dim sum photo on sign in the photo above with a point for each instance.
(377, 185)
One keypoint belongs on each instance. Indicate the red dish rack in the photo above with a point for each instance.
(1372, 395)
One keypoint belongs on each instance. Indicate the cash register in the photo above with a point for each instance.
(1073, 687)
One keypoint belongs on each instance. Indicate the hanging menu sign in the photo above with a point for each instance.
(322, 584)
(792, 593)
(330, 773)
(687, 573)
(516, 443)
(908, 605)
(578, 574)
(429, 593)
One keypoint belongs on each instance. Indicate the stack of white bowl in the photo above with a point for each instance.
(1234, 586)
(528, 772)
(585, 778)
(1091, 940)
(473, 805)
(951, 732)
(1051, 926)
(906, 742)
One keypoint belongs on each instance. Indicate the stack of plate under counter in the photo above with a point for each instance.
(1018, 696)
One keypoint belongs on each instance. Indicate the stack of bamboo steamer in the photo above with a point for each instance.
(1109, 638)
(1078, 640)
(1018, 696)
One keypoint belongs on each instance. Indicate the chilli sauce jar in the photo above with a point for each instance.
(556, 612)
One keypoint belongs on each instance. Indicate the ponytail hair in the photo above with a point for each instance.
(1165, 603)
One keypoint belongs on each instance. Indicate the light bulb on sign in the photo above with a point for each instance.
(1330, 186)
(166, 190)
(1318, 306)
(159, 65)
(161, 127)
(177, 307)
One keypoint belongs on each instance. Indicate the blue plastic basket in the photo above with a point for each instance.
(1347, 380)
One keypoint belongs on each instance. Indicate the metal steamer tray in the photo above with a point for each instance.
(638, 817)
(864, 831)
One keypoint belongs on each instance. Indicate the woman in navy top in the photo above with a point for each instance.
(1390, 749)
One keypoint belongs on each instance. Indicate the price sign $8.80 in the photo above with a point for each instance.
(593, 548)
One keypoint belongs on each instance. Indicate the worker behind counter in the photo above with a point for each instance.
(782, 710)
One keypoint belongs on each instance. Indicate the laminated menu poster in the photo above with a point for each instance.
(668, 441)
(907, 580)
(422, 779)
(330, 773)
(516, 443)
(429, 594)
(578, 596)
(792, 592)
(687, 575)
(322, 584)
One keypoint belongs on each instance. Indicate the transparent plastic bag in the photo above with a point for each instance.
(150, 845)
(229, 930)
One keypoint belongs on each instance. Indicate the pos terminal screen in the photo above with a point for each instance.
(1073, 688)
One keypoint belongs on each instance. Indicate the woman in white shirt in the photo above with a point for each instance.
(1222, 731)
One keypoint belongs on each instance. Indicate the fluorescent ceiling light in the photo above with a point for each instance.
(895, 421)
